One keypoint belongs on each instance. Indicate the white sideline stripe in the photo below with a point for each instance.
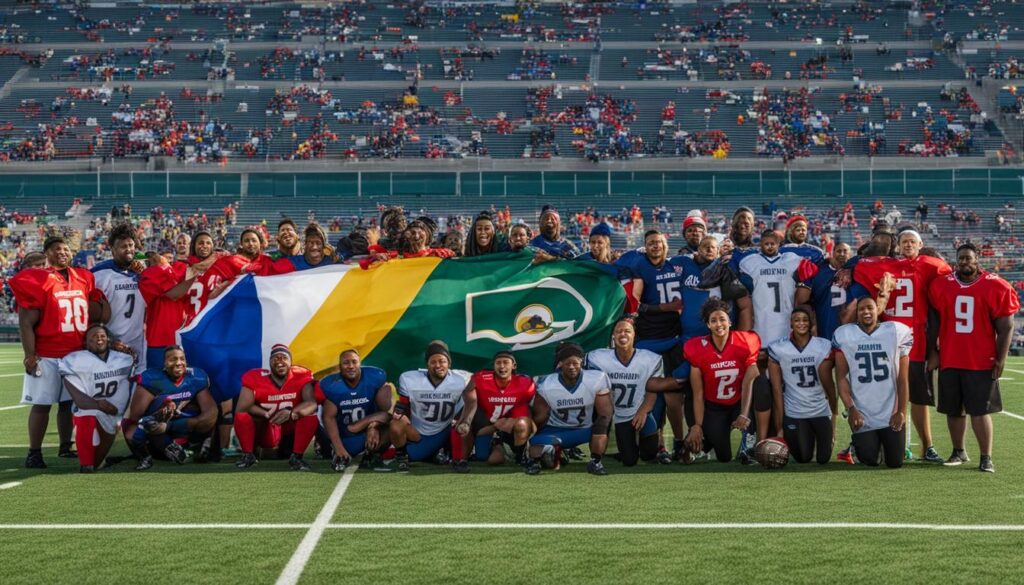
(1016, 416)
(13, 407)
(293, 570)
(25, 446)
(9, 485)
(151, 526)
(1013, 370)
(12, 375)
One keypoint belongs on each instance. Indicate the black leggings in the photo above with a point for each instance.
(718, 421)
(808, 436)
(632, 446)
(870, 444)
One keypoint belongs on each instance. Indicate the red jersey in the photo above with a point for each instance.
(512, 401)
(163, 315)
(225, 269)
(967, 337)
(271, 396)
(908, 303)
(63, 305)
(723, 371)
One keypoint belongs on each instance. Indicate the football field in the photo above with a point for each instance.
(710, 522)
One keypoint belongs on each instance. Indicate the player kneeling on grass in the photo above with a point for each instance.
(355, 413)
(573, 406)
(503, 416)
(169, 405)
(277, 406)
(98, 380)
(427, 402)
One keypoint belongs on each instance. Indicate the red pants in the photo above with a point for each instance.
(248, 429)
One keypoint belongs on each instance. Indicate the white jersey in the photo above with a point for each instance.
(874, 367)
(772, 283)
(107, 379)
(432, 408)
(572, 408)
(629, 380)
(127, 307)
(803, 395)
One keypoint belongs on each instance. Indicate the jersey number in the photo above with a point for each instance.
(500, 410)
(624, 395)
(873, 366)
(131, 307)
(195, 296)
(776, 288)
(904, 298)
(963, 310)
(808, 376)
(350, 416)
(564, 414)
(74, 315)
(438, 411)
(726, 379)
(668, 291)
(272, 407)
(838, 296)
(105, 390)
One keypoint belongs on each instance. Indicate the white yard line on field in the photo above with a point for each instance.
(9, 485)
(1016, 416)
(16, 406)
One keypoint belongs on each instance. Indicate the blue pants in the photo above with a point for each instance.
(427, 446)
(569, 437)
(354, 444)
(482, 444)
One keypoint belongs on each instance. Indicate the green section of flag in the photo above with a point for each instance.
(500, 301)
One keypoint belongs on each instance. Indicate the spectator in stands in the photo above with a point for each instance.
(392, 223)
(550, 239)
(484, 237)
(694, 230)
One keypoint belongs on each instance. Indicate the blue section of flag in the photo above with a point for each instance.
(225, 342)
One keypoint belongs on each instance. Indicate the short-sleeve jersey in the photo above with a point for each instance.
(432, 408)
(272, 397)
(108, 379)
(354, 402)
(628, 380)
(510, 401)
(693, 296)
(967, 337)
(182, 392)
(874, 360)
(62, 300)
(827, 299)
(805, 250)
(572, 407)
(772, 285)
(120, 286)
(163, 315)
(722, 371)
(225, 269)
(560, 248)
(297, 263)
(803, 395)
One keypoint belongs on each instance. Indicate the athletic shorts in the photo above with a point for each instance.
(922, 389)
(482, 445)
(427, 446)
(47, 388)
(569, 437)
(354, 444)
(970, 391)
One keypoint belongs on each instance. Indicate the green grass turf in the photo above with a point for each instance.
(707, 493)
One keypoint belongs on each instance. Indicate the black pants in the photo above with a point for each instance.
(718, 421)
(807, 437)
(887, 442)
(634, 447)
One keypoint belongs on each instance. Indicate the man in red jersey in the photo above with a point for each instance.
(723, 368)
(274, 404)
(53, 314)
(249, 259)
(975, 310)
(163, 286)
(496, 402)
(908, 304)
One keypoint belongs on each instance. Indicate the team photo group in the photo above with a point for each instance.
(763, 333)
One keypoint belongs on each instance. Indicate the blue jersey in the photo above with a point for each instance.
(693, 297)
(182, 393)
(828, 300)
(661, 284)
(561, 248)
(354, 402)
(299, 262)
(621, 273)
(809, 251)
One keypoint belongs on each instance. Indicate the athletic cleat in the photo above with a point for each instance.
(932, 456)
(959, 457)
(339, 463)
(701, 457)
(548, 459)
(846, 456)
(87, 469)
(203, 454)
(532, 467)
(596, 468)
(986, 464)
(664, 457)
(246, 461)
(385, 466)
(34, 461)
(151, 426)
(460, 466)
(145, 463)
(66, 452)
(401, 463)
(366, 462)
(745, 458)
(296, 463)
(442, 458)
(575, 454)
(176, 453)
(908, 454)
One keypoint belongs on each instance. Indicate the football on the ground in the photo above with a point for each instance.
(772, 453)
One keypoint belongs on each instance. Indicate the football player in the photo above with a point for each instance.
(496, 405)
(278, 407)
(694, 231)
(573, 406)
(796, 240)
(872, 373)
(120, 304)
(428, 400)
(53, 313)
(249, 259)
(827, 297)
(355, 413)
(98, 380)
(171, 404)
(287, 240)
(975, 311)
(315, 252)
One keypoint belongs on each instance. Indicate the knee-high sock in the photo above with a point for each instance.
(245, 430)
(85, 431)
(457, 454)
(305, 428)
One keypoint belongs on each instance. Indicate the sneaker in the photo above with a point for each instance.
(460, 466)
(175, 453)
(66, 452)
(386, 466)
(144, 463)
(34, 461)
(339, 463)
(366, 461)
(745, 458)
(908, 454)
(229, 452)
(576, 454)
(702, 457)
(596, 468)
(87, 469)
(846, 456)
(246, 461)
(442, 458)
(986, 464)
(297, 463)
(203, 454)
(532, 467)
(932, 456)
(959, 457)
(547, 457)
(664, 457)
(402, 463)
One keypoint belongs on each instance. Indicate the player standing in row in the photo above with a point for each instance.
(277, 407)
(573, 406)
(120, 304)
(872, 361)
(98, 380)
(821, 292)
(53, 313)
(428, 400)
(355, 414)
(975, 310)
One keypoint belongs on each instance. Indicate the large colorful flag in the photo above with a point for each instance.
(390, 312)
